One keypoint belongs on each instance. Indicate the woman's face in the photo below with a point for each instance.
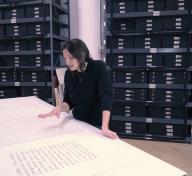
(71, 62)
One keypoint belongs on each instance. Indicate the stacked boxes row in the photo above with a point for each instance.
(31, 35)
(171, 60)
(147, 24)
(124, 6)
(148, 51)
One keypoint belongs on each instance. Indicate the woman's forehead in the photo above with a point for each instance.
(66, 53)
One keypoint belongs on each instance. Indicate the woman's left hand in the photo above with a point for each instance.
(111, 134)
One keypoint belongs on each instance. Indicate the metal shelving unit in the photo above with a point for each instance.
(31, 34)
(148, 47)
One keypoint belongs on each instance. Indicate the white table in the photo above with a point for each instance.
(53, 147)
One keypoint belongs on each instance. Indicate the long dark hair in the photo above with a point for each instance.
(78, 49)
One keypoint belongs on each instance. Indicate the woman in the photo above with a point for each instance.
(87, 90)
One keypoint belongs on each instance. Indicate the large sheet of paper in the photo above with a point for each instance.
(54, 147)
(19, 121)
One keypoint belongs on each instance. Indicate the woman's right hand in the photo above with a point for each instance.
(55, 112)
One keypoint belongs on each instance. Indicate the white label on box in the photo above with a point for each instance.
(169, 130)
(17, 83)
(122, 7)
(121, 3)
(168, 100)
(168, 113)
(123, 28)
(147, 39)
(156, 13)
(149, 21)
(120, 56)
(120, 39)
(150, 2)
(127, 123)
(128, 91)
(152, 86)
(169, 134)
(176, 46)
(177, 38)
(150, 10)
(168, 79)
(176, 42)
(147, 43)
(120, 61)
(168, 109)
(178, 56)
(149, 120)
(149, 64)
(181, 8)
(128, 74)
(149, 25)
(168, 96)
(178, 24)
(128, 131)
(149, 56)
(13, 20)
(120, 43)
(122, 11)
(128, 99)
(178, 19)
(150, 6)
(169, 74)
(153, 50)
(181, 4)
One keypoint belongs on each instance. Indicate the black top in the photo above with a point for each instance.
(88, 93)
